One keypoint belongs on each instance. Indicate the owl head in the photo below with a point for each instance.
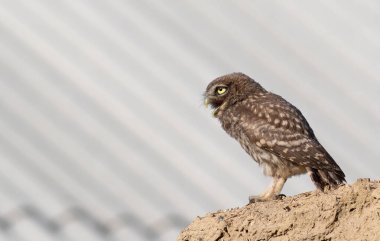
(227, 90)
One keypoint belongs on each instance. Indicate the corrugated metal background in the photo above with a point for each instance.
(102, 131)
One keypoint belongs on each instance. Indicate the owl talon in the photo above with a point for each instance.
(279, 197)
(255, 199)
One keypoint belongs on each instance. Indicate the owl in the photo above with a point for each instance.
(272, 131)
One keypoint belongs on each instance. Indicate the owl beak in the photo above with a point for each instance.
(206, 102)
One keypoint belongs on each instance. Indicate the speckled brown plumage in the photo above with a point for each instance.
(272, 131)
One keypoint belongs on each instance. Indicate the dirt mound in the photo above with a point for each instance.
(351, 212)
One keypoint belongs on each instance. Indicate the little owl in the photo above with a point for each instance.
(272, 131)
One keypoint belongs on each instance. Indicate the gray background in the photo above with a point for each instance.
(103, 135)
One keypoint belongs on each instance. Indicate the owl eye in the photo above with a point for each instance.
(221, 90)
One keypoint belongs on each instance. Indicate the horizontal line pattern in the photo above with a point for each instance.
(101, 106)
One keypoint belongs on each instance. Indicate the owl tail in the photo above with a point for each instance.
(326, 178)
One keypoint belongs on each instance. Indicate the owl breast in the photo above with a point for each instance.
(272, 164)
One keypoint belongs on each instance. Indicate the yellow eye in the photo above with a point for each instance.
(221, 90)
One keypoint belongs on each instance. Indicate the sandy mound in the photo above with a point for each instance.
(351, 212)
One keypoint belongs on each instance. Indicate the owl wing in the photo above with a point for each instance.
(278, 127)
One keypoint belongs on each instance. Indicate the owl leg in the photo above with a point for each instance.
(272, 192)
(279, 185)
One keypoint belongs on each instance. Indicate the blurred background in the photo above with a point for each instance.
(103, 135)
